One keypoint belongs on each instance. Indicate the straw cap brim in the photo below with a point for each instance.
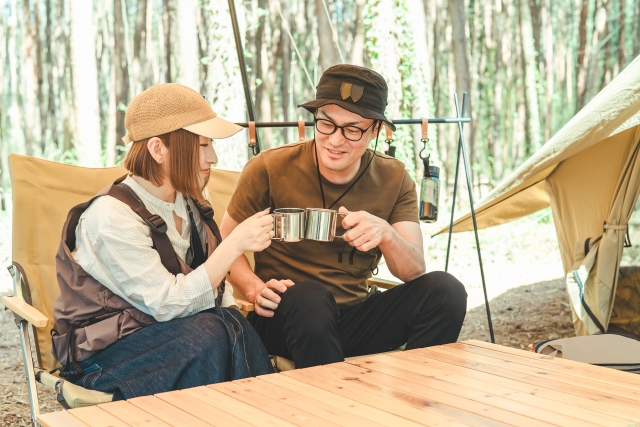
(215, 128)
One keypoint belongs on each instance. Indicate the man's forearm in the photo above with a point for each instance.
(244, 279)
(405, 261)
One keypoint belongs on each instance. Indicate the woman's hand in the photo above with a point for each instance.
(253, 234)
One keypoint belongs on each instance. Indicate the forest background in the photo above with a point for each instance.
(71, 67)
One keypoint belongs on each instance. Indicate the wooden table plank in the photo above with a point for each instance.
(413, 372)
(615, 392)
(629, 381)
(202, 410)
(270, 405)
(168, 413)
(97, 417)
(60, 419)
(370, 413)
(548, 382)
(132, 415)
(525, 393)
(625, 377)
(584, 404)
(483, 404)
(316, 407)
(422, 411)
(249, 412)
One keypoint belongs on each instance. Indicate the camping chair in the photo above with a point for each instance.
(43, 194)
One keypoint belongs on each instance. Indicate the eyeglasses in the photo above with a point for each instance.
(352, 133)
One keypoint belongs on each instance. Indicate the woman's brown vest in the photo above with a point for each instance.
(88, 316)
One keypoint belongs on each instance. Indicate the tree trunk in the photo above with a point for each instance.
(3, 116)
(262, 100)
(85, 84)
(51, 121)
(581, 61)
(422, 102)
(595, 67)
(139, 48)
(357, 48)
(188, 60)
(40, 78)
(16, 132)
(549, 44)
(622, 40)
(29, 75)
(167, 22)
(533, 141)
(285, 78)
(121, 86)
(328, 49)
(460, 51)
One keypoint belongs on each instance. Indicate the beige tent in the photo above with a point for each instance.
(589, 173)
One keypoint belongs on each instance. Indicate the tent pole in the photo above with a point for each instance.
(473, 212)
(243, 70)
(455, 186)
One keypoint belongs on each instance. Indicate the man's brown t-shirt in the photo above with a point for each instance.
(286, 177)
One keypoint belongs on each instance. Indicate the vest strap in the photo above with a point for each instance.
(158, 227)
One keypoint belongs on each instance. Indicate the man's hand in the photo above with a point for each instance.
(366, 231)
(267, 298)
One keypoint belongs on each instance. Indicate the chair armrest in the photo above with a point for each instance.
(24, 310)
(244, 304)
(382, 283)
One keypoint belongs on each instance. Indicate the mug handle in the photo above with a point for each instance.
(275, 231)
(345, 231)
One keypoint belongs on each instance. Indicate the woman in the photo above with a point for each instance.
(144, 307)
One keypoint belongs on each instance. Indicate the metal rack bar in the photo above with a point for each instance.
(395, 122)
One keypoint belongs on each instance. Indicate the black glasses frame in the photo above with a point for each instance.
(336, 127)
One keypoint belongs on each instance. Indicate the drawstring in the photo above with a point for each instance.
(315, 147)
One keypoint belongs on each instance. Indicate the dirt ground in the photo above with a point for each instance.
(522, 315)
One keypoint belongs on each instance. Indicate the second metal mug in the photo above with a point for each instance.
(288, 224)
(321, 225)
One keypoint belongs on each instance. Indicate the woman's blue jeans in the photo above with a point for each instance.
(212, 346)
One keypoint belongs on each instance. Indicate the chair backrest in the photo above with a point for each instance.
(43, 194)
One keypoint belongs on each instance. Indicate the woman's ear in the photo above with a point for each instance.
(157, 149)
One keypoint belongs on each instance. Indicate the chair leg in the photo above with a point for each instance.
(28, 366)
(27, 356)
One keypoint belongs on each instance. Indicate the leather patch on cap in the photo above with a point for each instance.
(350, 90)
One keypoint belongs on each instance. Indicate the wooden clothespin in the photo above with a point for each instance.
(301, 130)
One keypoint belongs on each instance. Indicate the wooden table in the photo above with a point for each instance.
(466, 383)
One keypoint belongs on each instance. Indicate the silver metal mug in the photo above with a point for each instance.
(321, 224)
(288, 224)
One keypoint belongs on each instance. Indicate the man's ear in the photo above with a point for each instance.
(376, 129)
(157, 149)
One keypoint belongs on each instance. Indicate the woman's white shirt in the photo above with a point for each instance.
(114, 245)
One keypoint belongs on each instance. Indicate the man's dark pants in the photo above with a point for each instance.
(310, 328)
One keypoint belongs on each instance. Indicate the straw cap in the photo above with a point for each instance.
(356, 89)
(167, 107)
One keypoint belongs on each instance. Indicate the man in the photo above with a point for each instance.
(311, 299)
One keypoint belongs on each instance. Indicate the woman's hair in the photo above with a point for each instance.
(184, 160)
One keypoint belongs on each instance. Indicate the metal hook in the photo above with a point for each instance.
(424, 147)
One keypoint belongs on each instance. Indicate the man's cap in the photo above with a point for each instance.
(356, 89)
(167, 107)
